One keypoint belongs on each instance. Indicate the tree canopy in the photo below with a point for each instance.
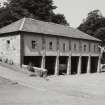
(37, 9)
(94, 24)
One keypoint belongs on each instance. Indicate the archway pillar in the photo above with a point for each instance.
(89, 64)
(43, 62)
(69, 65)
(79, 65)
(43, 59)
(57, 66)
(99, 64)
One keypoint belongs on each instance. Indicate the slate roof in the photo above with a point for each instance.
(36, 26)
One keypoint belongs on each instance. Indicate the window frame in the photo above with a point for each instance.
(7, 44)
(75, 46)
(85, 48)
(64, 47)
(51, 45)
(33, 44)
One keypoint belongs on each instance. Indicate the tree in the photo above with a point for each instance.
(6, 17)
(100, 33)
(36, 9)
(59, 19)
(41, 9)
(94, 21)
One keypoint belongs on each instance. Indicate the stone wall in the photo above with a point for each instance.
(10, 49)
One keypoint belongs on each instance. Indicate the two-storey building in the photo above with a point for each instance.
(60, 49)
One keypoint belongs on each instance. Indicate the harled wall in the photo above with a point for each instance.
(75, 46)
(10, 49)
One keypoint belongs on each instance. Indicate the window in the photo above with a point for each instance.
(43, 43)
(94, 48)
(8, 44)
(50, 45)
(75, 47)
(34, 44)
(64, 47)
(69, 45)
(84, 47)
(57, 44)
(80, 46)
(99, 50)
(89, 47)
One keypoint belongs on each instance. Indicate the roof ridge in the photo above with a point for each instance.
(22, 24)
(49, 22)
(38, 26)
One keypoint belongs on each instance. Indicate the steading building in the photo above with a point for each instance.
(60, 49)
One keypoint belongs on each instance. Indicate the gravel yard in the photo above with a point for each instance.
(87, 89)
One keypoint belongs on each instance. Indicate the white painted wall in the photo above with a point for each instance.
(68, 42)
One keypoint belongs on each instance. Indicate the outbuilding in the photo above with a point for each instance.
(58, 48)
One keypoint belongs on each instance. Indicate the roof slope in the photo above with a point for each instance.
(36, 26)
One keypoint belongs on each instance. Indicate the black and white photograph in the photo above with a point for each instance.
(52, 52)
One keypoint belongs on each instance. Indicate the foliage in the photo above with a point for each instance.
(92, 23)
(100, 33)
(59, 19)
(37, 9)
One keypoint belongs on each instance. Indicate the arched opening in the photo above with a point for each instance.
(74, 64)
(50, 64)
(63, 65)
(84, 64)
(35, 60)
(94, 64)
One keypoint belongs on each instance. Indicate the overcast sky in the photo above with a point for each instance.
(76, 10)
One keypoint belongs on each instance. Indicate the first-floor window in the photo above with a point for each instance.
(8, 41)
(84, 47)
(8, 44)
(69, 45)
(34, 44)
(99, 50)
(75, 47)
(94, 47)
(50, 45)
(64, 47)
(57, 44)
(89, 47)
(43, 43)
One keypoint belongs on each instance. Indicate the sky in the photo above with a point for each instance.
(76, 10)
